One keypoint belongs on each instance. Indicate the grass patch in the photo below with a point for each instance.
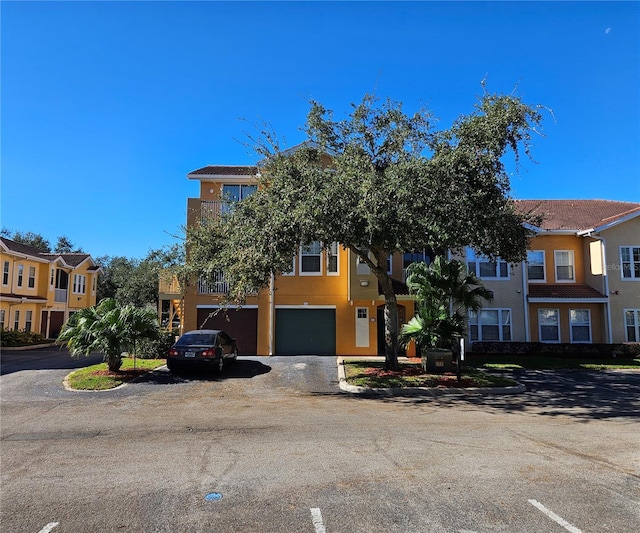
(98, 377)
(373, 375)
(541, 362)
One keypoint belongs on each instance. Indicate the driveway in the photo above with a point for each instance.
(274, 446)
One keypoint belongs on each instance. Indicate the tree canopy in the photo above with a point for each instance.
(377, 182)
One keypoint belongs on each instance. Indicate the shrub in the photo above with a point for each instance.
(563, 350)
(14, 337)
(156, 348)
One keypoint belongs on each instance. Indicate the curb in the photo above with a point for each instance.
(423, 391)
(25, 348)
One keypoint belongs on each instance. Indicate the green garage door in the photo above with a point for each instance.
(305, 332)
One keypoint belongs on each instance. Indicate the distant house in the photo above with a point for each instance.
(40, 291)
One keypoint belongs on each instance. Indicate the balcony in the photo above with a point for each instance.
(60, 296)
(216, 284)
(212, 209)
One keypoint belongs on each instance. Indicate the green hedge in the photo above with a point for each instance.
(564, 349)
(14, 337)
(156, 348)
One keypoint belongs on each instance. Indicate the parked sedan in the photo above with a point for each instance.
(210, 348)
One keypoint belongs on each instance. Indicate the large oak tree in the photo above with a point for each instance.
(377, 182)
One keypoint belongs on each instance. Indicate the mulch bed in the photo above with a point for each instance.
(448, 379)
(120, 374)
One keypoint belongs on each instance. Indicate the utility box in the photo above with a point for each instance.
(437, 361)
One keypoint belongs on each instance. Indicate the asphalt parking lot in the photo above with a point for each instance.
(274, 446)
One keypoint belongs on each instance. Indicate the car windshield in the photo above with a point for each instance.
(196, 339)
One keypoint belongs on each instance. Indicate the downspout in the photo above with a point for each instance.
(272, 308)
(525, 302)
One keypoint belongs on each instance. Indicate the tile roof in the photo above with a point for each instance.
(70, 259)
(20, 247)
(538, 290)
(576, 214)
(225, 170)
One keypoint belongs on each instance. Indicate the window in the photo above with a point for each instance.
(20, 274)
(310, 259)
(235, 193)
(16, 320)
(2, 316)
(632, 325)
(580, 322)
(362, 269)
(53, 277)
(485, 268)
(332, 259)
(535, 265)
(5, 273)
(79, 283)
(31, 280)
(413, 257)
(549, 325)
(94, 284)
(490, 325)
(630, 261)
(564, 265)
(28, 321)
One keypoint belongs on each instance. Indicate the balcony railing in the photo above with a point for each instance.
(60, 296)
(216, 284)
(212, 209)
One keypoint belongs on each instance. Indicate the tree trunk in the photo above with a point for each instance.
(114, 362)
(390, 316)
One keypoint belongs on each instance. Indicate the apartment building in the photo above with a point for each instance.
(40, 291)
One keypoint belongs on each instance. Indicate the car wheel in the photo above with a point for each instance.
(172, 366)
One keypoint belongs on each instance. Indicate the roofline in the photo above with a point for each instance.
(604, 227)
(602, 300)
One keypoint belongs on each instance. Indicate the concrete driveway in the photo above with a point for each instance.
(274, 446)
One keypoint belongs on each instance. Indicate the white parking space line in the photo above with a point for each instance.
(48, 527)
(555, 517)
(316, 517)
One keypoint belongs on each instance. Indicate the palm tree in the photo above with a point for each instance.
(444, 292)
(109, 328)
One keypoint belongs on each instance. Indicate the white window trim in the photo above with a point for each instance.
(571, 327)
(314, 273)
(6, 272)
(633, 277)
(636, 323)
(29, 277)
(479, 258)
(540, 326)
(500, 324)
(20, 276)
(79, 284)
(544, 268)
(555, 266)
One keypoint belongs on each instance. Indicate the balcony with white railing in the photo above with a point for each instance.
(213, 209)
(216, 284)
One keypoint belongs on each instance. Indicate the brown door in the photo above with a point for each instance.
(242, 324)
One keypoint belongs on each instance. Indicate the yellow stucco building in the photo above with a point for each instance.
(39, 291)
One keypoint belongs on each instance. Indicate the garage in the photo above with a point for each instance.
(239, 323)
(305, 331)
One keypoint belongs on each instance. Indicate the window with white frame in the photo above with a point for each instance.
(535, 266)
(5, 273)
(31, 279)
(311, 259)
(292, 268)
(564, 265)
(20, 274)
(413, 257)
(362, 269)
(630, 262)
(549, 325)
(16, 319)
(580, 325)
(53, 277)
(490, 325)
(332, 259)
(2, 317)
(28, 321)
(485, 268)
(632, 325)
(94, 283)
(79, 283)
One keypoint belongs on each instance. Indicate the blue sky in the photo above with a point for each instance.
(106, 106)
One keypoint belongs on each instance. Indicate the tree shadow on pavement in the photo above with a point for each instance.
(584, 395)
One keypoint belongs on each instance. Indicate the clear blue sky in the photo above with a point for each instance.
(106, 106)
